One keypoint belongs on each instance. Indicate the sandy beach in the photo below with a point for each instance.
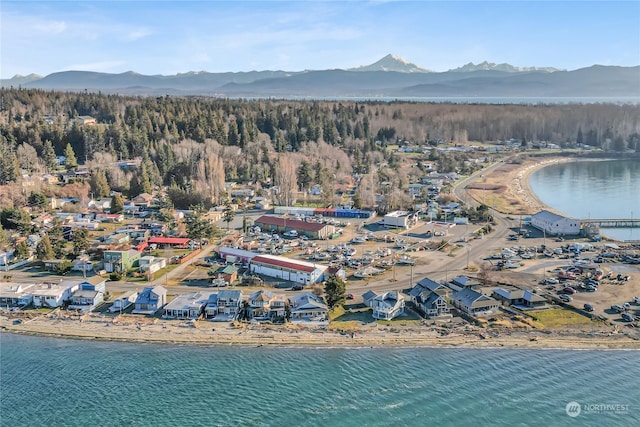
(128, 328)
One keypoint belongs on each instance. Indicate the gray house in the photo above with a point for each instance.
(150, 300)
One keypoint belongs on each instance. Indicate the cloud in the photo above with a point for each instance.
(138, 34)
(50, 27)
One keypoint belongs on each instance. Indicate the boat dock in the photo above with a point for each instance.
(613, 223)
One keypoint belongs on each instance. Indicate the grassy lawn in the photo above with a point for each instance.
(554, 318)
(349, 319)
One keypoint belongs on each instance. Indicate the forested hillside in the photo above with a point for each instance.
(196, 144)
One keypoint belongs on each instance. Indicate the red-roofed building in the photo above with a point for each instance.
(176, 242)
(288, 269)
(313, 230)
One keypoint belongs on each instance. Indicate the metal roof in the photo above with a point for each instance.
(289, 223)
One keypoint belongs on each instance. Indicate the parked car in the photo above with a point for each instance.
(626, 306)
(591, 288)
(617, 308)
(349, 296)
(627, 317)
(565, 298)
(552, 281)
(297, 287)
(636, 300)
(588, 307)
(569, 290)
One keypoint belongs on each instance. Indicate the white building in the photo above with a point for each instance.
(400, 219)
(288, 269)
(387, 306)
(52, 296)
(189, 306)
(554, 224)
(150, 264)
(124, 301)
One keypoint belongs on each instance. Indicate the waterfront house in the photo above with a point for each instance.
(229, 303)
(474, 303)
(54, 295)
(123, 301)
(308, 307)
(460, 282)
(432, 304)
(519, 297)
(367, 297)
(211, 308)
(150, 300)
(85, 300)
(387, 306)
(15, 294)
(265, 305)
(429, 286)
(187, 306)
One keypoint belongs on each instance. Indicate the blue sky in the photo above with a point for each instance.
(169, 37)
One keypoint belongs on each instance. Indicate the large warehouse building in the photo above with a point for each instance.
(554, 224)
(313, 230)
(288, 269)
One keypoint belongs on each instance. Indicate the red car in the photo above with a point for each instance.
(349, 296)
(569, 290)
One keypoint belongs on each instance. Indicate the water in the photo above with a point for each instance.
(47, 381)
(593, 189)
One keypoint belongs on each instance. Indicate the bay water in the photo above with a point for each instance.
(604, 189)
(59, 382)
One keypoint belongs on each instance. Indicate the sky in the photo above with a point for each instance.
(169, 37)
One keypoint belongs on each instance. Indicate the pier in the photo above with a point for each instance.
(613, 223)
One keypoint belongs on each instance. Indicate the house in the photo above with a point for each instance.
(228, 272)
(187, 306)
(123, 302)
(460, 282)
(15, 294)
(150, 264)
(288, 269)
(433, 304)
(109, 217)
(312, 230)
(429, 286)
(519, 297)
(474, 303)
(211, 308)
(52, 264)
(554, 224)
(143, 199)
(82, 265)
(150, 300)
(387, 306)
(103, 205)
(85, 121)
(89, 295)
(263, 204)
(118, 261)
(117, 239)
(307, 307)
(52, 296)
(400, 219)
(265, 305)
(85, 300)
(229, 303)
(367, 298)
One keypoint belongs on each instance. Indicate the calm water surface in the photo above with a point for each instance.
(59, 382)
(593, 189)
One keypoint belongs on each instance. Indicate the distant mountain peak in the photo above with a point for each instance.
(392, 62)
(492, 66)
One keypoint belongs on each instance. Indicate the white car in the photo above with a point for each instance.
(565, 298)
(552, 281)
(636, 300)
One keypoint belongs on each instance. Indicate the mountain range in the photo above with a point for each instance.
(391, 76)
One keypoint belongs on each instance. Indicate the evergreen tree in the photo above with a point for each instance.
(99, 185)
(335, 291)
(228, 215)
(80, 241)
(44, 249)
(22, 250)
(49, 156)
(70, 157)
(117, 204)
(304, 175)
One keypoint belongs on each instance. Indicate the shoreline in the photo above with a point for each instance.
(210, 334)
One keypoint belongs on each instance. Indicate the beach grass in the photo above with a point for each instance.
(555, 318)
